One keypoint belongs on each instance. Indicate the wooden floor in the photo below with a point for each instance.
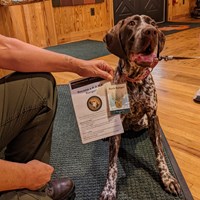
(176, 82)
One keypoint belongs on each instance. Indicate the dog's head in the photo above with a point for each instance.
(136, 39)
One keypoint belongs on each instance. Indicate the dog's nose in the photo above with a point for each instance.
(150, 32)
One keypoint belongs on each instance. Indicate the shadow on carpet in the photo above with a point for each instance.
(174, 27)
(87, 164)
(85, 49)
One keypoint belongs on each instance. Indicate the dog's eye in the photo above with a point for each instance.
(153, 23)
(132, 23)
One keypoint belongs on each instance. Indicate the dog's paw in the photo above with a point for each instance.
(107, 195)
(171, 185)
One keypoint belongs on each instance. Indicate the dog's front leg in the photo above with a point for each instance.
(170, 183)
(109, 190)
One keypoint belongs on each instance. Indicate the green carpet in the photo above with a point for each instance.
(85, 49)
(87, 164)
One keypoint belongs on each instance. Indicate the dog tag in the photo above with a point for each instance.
(118, 99)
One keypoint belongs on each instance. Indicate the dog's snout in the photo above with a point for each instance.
(150, 32)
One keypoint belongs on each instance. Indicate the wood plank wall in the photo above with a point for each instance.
(43, 25)
(33, 23)
(75, 23)
(179, 8)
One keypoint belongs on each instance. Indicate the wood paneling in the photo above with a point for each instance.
(73, 23)
(39, 22)
(32, 23)
(17, 23)
(179, 9)
(42, 25)
(6, 21)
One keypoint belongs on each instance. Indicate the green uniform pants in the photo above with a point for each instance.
(27, 109)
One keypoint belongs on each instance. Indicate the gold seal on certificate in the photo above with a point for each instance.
(94, 103)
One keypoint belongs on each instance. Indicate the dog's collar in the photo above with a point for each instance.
(144, 75)
(139, 77)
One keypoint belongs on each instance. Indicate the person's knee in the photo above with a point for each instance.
(45, 85)
(42, 86)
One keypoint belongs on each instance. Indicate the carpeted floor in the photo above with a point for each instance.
(87, 164)
(85, 49)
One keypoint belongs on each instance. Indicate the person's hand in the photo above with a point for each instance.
(96, 68)
(38, 174)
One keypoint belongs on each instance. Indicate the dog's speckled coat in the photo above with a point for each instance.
(132, 36)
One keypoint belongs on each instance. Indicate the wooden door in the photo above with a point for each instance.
(152, 8)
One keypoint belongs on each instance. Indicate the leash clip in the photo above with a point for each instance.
(165, 58)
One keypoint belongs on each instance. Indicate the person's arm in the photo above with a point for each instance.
(19, 56)
(32, 175)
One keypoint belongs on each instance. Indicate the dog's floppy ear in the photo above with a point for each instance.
(161, 41)
(113, 41)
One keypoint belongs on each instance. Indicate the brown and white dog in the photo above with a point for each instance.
(137, 42)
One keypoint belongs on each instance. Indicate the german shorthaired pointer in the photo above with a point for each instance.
(136, 40)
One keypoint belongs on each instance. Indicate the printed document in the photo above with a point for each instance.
(91, 109)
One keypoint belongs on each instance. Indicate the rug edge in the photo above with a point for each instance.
(177, 171)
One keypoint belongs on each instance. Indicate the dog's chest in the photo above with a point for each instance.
(143, 102)
(142, 96)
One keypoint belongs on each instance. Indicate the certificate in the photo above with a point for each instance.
(90, 103)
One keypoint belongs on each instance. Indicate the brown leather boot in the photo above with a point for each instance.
(61, 189)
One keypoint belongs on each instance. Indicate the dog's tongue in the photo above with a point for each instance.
(144, 60)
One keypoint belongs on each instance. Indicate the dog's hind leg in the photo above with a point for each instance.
(170, 183)
(109, 190)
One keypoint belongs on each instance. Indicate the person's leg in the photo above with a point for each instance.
(27, 106)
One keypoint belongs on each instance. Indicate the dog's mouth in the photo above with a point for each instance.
(145, 58)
